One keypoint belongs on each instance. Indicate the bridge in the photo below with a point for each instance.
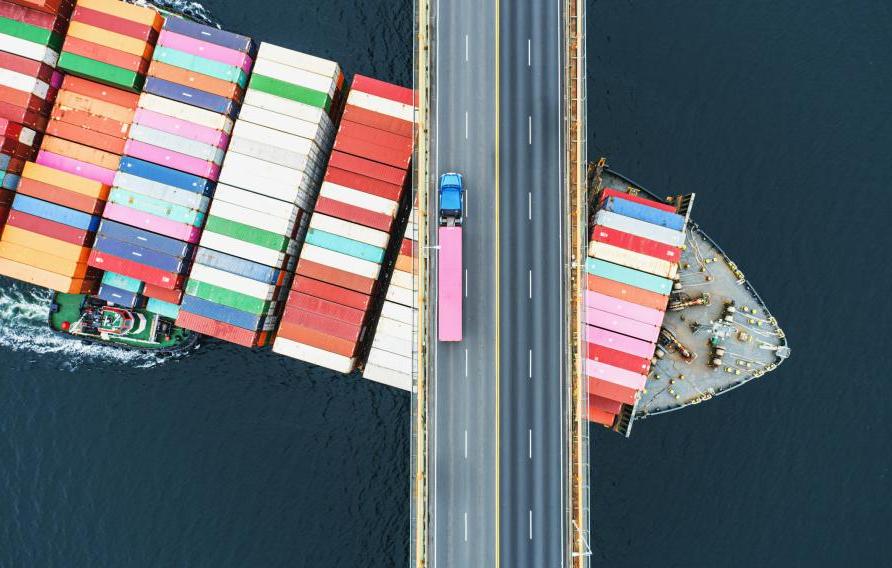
(499, 457)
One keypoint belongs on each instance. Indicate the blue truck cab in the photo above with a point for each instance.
(452, 199)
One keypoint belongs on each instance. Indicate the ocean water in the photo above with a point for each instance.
(776, 114)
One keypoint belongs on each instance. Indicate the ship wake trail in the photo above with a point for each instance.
(23, 327)
(193, 10)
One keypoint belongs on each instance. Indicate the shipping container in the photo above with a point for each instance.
(290, 91)
(255, 202)
(388, 377)
(60, 196)
(209, 34)
(247, 233)
(308, 162)
(59, 231)
(619, 342)
(179, 143)
(382, 89)
(81, 152)
(235, 265)
(72, 267)
(389, 360)
(203, 65)
(18, 11)
(336, 243)
(220, 330)
(317, 128)
(622, 291)
(29, 49)
(625, 308)
(156, 207)
(205, 49)
(163, 308)
(354, 214)
(274, 53)
(45, 278)
(379, 104)
(122, 282)
(644, 213)
(617, 358)
(106, 54)
(630, 259)
(359, 147)
(80, 106)
(289, 74)
(605, 404)
(191, 96)
(138, 30)
(31, 32)
(332, 309)
(137, 270)
(227, 297)
(117, 296)
(622, 324)
(601, 417)
(639, 228)
(378, 120)
(100, 71)
(327, 291)
(225, 314)
(162, 294)
(611, 374)
(334, 275)
(186, 111)
(242, 249)
(251, 218)
(335, 259)
(264, 291)
(149, 222)
(138, 14)
(363, 183)
(46, 245)
(264, 177)
(142, 255)
(55, 213)
(206, 83)
(314, 355)
(636, 244)
(105, 176)
(318, 339)
(628, 276)
(163, 192)
(166, 175)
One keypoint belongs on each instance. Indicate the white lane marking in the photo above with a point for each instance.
(466, 47)
(530, 368)
(529, 51)
(466, 527)
(530, 205)
(531, 524)
(466, 362)
(529, 129)
(466, 282)
(466, 125)
(466, 444)
(530, 453)
(531, 283)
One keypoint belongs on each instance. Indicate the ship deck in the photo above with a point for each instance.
(725, 348)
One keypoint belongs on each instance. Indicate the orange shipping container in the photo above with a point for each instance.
(404, 263)
(101, 124)
(43, 260)
(66, 180)
(145, 16)
(54, 194)
(84, 136)
(110, 55)
(46, 244)
(316, 338)
(99, 91)
(622, 291)
(68, 101)
(199, 81)
(101, 158)
(109, 38)
(45, 278)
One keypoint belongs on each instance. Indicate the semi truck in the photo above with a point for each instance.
(449, 273)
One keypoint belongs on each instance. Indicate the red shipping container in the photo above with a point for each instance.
(372, 151)
(315, 338)
(328, 308)
(100, 91)
(605, 404)
(378, 120)
(23, 116)
(354, 214)
(332, 292)
(25, 66)
(80, 134)
(163, 294)
(363, 183)
(635, 243)
(28, 101)
(618, 358)
(610, 192)
(612, 391)
(381, 89)
(101, 124)
(376, 136)
(56, 7)
(61, 196)
(147, 274)
(106, 54)
(106, 21)
(368, 168)
(12, 147)
(600, 416)
(220, 330)
(338, 277)
(321, 323)
(49, 228)
(20, 13)
(407, 246)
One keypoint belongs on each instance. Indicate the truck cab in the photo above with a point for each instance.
(452, 200)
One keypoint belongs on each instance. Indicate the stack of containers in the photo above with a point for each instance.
(349, 233)
(61, 195)
(172, 160)
(30, 40)
(111, 42)
(633, 259)
(270, 178)
(390, 358)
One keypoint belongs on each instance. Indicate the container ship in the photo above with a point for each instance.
(671, 321)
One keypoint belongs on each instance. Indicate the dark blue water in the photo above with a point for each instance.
(776, 114)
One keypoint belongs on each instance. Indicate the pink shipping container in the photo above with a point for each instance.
(205, 49)
(172, 159)
(614, 375)
(181, 127)
(622, 324)
(152, 223)
(621, 307)
(618, 341)
(102, 175)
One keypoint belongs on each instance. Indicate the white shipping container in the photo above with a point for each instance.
(389, 360)
(359, 199)
(263, 177)
(274, 154)
(311, 354)
(388, 377)
(234, 282)
(392, 345)
(177, 143)
(403, 279)
(398, 312)
(22, 82)
(176, 109)
(274, 103)
(28, 49)
(311, 130)
(26, 136)
(295, 76)
(241, 249)
(394, 328)
(255, 201)
(341, 261)
(300, 60)
(643, 229)
(158, 190)
(400, 295)
(252, 218)
(350, 230)
(274, 137)
(382, 105)
(632, 259)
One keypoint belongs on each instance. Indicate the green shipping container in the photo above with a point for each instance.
(290, 91)
(247, 233)
(628, 276)
(31, 33)
(162, 308)
(344, 245)
(122, 282)
(202, 65)
(157, 207)
(101, 72)
(230, 298)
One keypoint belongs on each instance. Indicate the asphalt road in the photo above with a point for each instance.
(513, 322)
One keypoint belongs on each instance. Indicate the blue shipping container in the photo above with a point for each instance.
(222, 313)
(11, 181)
(141, 255)
(644, 213)
(240, 43)
(236, 265)
(122, 282)
(190, 96)
(146, 239)
(167, 176)
(57, 213)
(117, 296)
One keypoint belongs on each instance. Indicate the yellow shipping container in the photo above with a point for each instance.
(110, 39)
(46, 244)
(43, 260)
(145, 16)
(65, 180)
(45, 278)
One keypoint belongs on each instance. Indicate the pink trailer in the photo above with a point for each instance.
(622, 324)
(619, 307)
(620, 342)
(449, 285)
